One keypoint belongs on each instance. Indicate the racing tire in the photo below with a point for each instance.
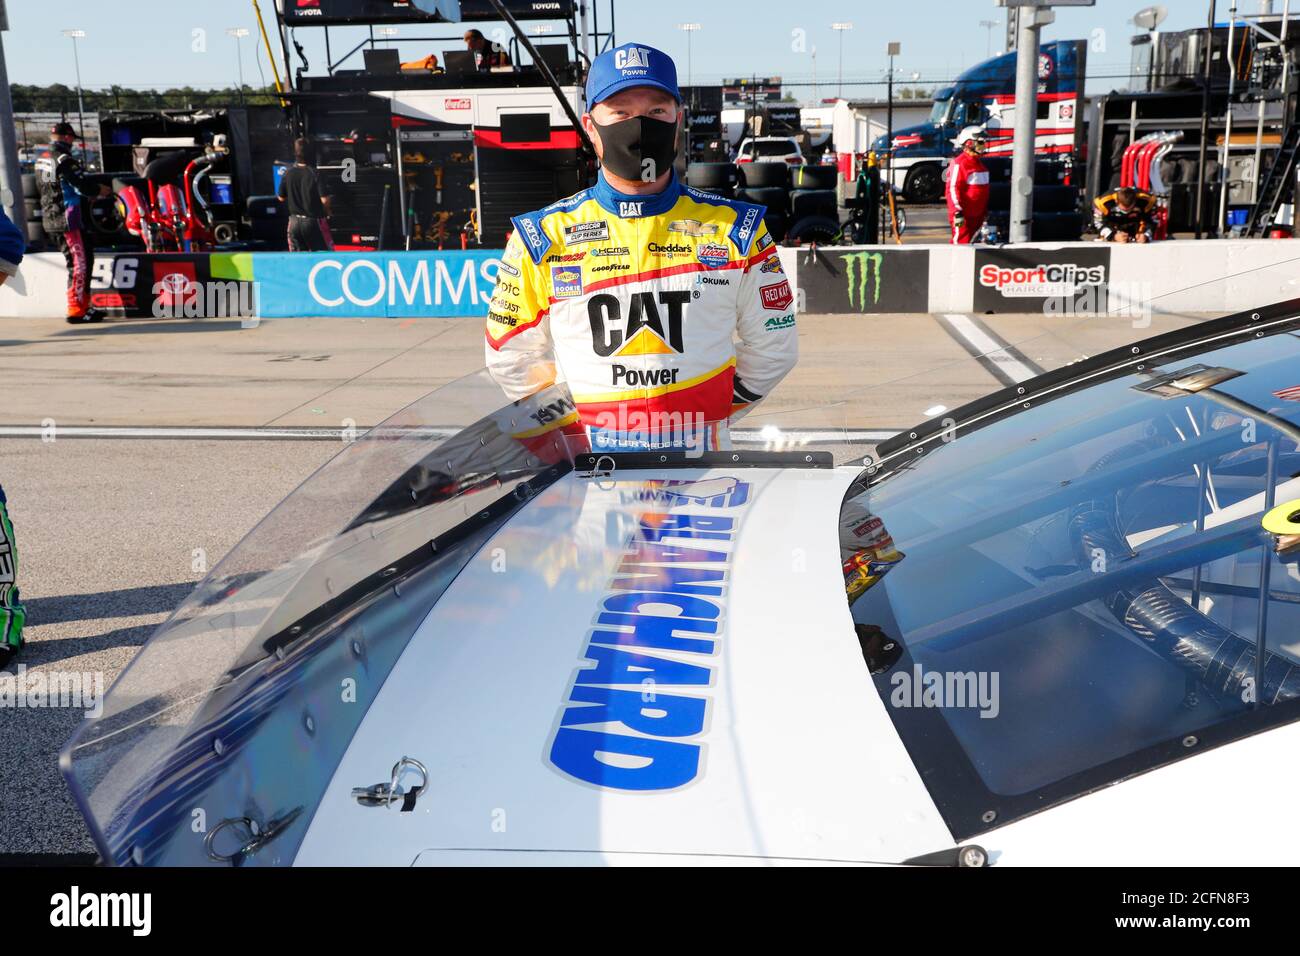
(31, 188)
(764, 175)
(924, 183)
(711, 177)
(819, 229)
(1171, 171)
(813, 202)
(900, 213)
(106, 219)
(773, 197)
(777, 223)
(814, 177)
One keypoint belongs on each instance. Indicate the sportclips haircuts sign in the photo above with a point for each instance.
(1037, 280)
(399, 284)
(865, 280)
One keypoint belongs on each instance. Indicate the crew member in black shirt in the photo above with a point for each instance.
(487, 53)
(309, 229)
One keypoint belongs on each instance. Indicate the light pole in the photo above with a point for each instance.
(1031, 17)
(892, 49)
(11, 177)
(76, 35)
(239, 33)
(688, 28)
(840, 28)
(988, 26)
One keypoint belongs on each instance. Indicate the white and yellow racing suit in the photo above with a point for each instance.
(666, 315)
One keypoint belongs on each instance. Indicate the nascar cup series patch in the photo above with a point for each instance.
(566, 281)
(595, 231)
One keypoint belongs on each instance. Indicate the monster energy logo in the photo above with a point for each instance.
(859, 269)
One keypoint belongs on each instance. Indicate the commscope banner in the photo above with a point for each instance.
(381, 284)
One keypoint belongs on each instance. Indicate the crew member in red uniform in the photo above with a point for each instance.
(968, 186)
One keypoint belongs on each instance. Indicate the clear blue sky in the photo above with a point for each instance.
(149, 43)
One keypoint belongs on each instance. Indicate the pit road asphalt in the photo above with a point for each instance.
(114, 531)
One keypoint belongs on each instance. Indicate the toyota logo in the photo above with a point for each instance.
(175, 283)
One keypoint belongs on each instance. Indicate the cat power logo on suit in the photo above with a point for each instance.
(645, 330)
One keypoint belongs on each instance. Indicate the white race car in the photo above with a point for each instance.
(1061, 625)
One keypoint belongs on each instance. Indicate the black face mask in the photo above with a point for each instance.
(639, 148)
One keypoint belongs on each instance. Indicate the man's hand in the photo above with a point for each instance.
(1142, 237)
(959, 220)
(1121, 236)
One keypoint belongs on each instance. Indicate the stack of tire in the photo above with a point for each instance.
(37, 240)
(1057, 213)
(801, 201)
(102, 214)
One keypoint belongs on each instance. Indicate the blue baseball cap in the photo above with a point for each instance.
(632, 64)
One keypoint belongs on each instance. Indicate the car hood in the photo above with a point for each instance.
(777, 746)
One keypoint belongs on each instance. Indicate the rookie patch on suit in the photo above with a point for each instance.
(566, 281)
(586, 232)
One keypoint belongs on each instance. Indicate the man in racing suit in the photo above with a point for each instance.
(634, 291)
(968, 186)
(1126, 215)
(63, 184)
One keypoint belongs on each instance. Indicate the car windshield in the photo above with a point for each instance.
(1083, 588)
(232, 705)
(773, 147)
